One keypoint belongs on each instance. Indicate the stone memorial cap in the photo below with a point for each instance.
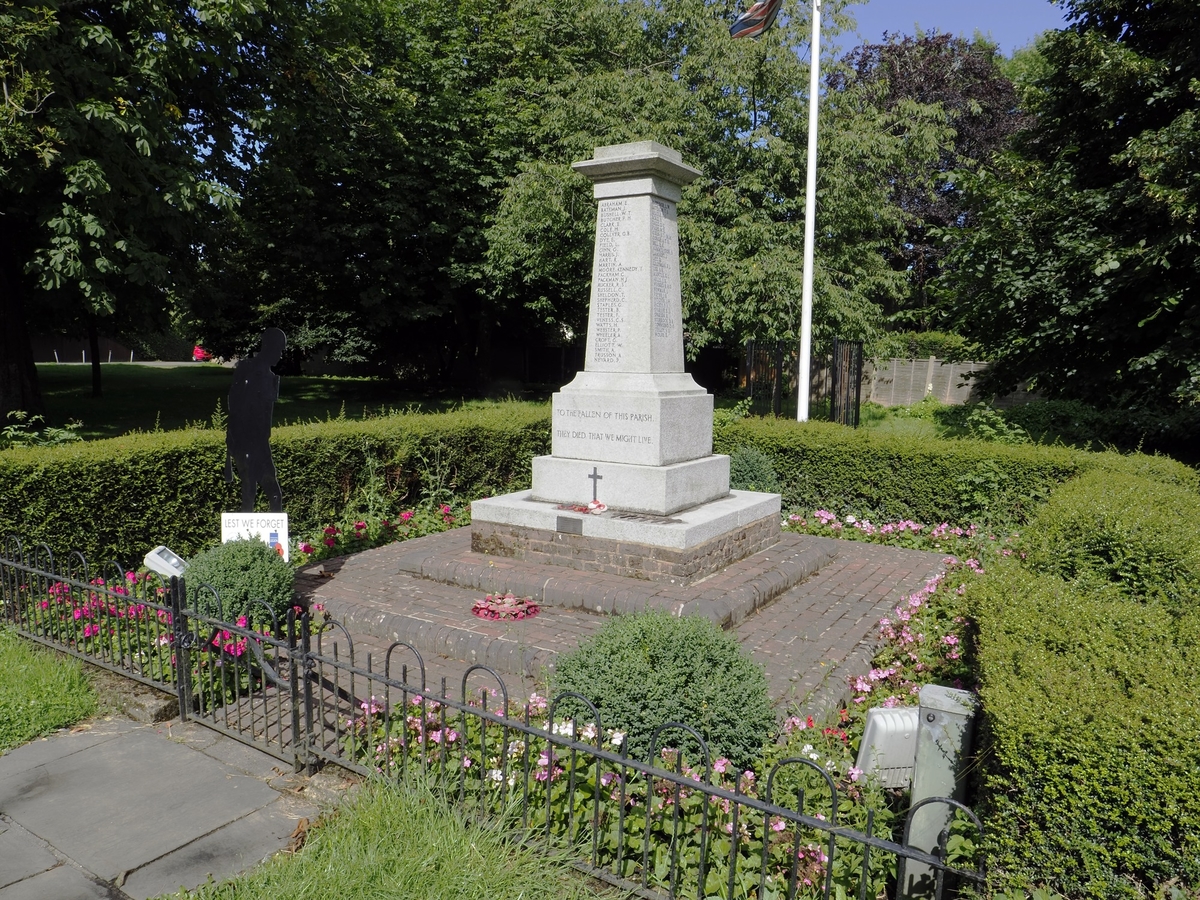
(640, 158)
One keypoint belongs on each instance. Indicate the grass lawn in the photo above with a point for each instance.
(399, 842)
(39, 691)
(141, 398)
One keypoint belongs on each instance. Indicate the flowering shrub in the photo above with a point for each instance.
(923, 642)
(125, 623)
(368, 532)
(960, 541)
(601, 803)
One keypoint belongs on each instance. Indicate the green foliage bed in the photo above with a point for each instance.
(118, 498)
(1089, 666)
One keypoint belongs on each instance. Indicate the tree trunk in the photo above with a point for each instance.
(94, 349)
(18, 375)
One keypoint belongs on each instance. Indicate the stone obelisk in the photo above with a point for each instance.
(631, 484)
(633, 415)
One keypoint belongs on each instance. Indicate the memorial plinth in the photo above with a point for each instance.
(633, 431)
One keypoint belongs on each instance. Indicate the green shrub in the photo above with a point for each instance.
(752, 470)
(1172, 430)
(169, 488)
(891, 477)
(242, 572)
(1090, 741)
(1139, 535)
(647, 669)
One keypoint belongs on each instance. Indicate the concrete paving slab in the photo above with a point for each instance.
(65, 882)
(245, 758)
(22, 855)
(144, 796)
(238, 846)
(57, 746)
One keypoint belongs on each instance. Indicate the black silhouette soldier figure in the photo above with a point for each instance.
(248, 435)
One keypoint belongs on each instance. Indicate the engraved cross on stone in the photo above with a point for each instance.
(596, 479)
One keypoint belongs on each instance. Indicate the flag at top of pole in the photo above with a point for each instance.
(757, 19)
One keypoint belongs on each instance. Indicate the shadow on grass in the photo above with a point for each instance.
(146, 398)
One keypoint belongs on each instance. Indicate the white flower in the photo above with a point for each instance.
(850, 520)
(588, 732)
(567, 729)
(616, 738)
(495, 775)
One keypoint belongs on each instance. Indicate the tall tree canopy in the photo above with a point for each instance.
(964, 78)
(116, 137)
(390, 182)
(738, 111)
(1082, 271)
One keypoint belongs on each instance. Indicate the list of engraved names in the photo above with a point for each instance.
(610, 312)
(664, 275)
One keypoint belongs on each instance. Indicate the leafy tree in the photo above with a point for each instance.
(737, 111)
(1081, 270)
(966, 80)
(392, 131)
(115, 143)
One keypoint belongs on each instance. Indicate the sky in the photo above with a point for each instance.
(1011, 23)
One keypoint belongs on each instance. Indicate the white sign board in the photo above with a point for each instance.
(270, 528)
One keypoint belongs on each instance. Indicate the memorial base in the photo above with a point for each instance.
(680, 549)
(648, 490)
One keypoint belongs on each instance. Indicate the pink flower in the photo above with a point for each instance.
(329, 542)
(406, 515)
(306, 547)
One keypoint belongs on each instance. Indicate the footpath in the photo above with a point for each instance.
(123, 810)
(126, 810)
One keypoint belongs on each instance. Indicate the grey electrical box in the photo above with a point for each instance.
(165, 562)
(889, 745)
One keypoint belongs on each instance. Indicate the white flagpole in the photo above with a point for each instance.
(810, 214)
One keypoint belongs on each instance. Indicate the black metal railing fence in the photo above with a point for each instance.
(663, 826)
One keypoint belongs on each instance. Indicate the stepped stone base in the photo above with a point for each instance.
(421, 592)
(679, 549)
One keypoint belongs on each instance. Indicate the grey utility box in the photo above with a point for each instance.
(889, 745)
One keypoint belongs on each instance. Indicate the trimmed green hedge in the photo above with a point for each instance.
(888, 477)
(1090, 739)
(116, 499)
(1107, 528)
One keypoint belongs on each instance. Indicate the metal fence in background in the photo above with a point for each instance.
(845, 389)
(673, 824)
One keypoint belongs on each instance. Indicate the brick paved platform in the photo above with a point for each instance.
(805, 608)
